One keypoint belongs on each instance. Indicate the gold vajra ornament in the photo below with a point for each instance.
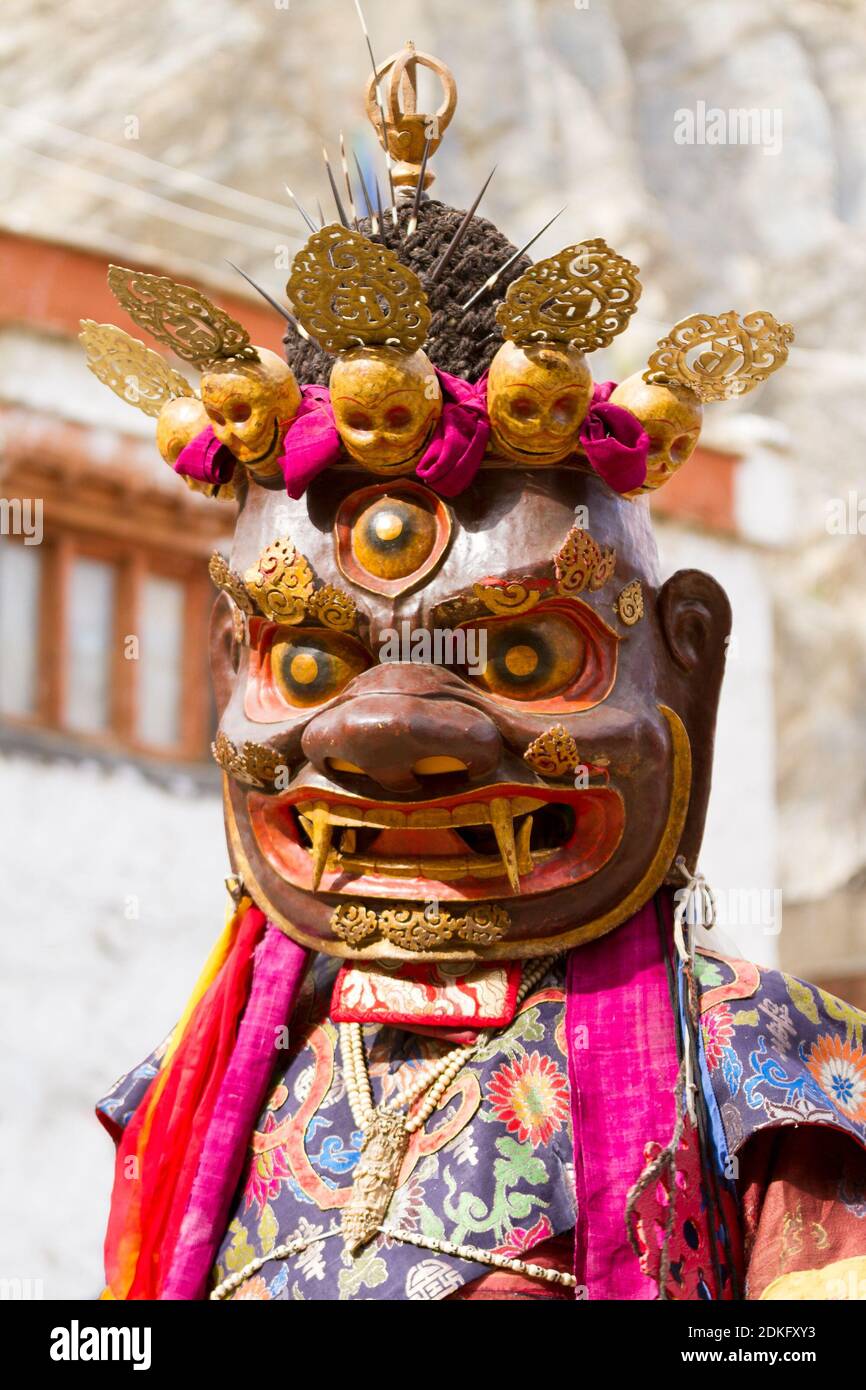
(582, 297)
(719, 356)
(629, 604)
(135, 373)
(406, 132)
(582, 563)
(349, 292)
(255, 764)
(280, 582)
(553, 754)
(419, 928)
(180, 317)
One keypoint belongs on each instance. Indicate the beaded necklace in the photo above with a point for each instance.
(386, 1131)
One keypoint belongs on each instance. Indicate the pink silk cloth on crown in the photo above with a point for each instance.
(622, 1068)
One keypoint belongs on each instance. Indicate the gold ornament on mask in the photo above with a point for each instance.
(720, 356)
(333, 607)
(254, 764)
(135, 373)
(349, 292)
(180, 317)
(513, 598)
(553, 754)
(419, 928)
(281, 582)
(230, 582)
(582, 563)
(629, 605)
(582, 298)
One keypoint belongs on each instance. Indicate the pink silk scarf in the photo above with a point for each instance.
(278, 969)
(622, 1065)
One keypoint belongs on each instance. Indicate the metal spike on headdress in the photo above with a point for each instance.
(419, 189)
(459, 234)
(352, 209)
(491, 281)
(323, 221)
(341, 211)
(388, 161)
(371, 212)
(309, 221)
(275, 304)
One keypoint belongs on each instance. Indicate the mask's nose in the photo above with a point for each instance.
(399, 736)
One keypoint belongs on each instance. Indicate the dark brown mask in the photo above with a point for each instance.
(502, 753)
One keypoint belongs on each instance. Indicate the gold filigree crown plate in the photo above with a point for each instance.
(583, 297)
(719, 356)
(180, 317)
(349, 292)
(132, 371)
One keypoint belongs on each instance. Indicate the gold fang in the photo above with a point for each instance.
(383, 1149)
(503, 829)
(322, 833)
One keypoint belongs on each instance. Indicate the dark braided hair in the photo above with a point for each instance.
(460, 343)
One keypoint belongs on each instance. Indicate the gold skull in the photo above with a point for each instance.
(250, 405)
(671, 416)
(180, 420)
(537, 397)
(386, 405)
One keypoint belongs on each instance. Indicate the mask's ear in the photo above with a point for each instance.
(223, 652)
(695, 618)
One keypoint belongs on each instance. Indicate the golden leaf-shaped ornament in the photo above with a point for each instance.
(334, 608)
(227, 579)
(135, 373)
(348, 292)
(583, 297)
(576, 560)
(180, 317)
(553, 753)
(718, 356)
(513, 598)
(280, 582)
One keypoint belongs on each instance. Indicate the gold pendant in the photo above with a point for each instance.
(386, 1139)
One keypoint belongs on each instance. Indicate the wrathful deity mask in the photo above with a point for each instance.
(399, 815)
(249, 405)
(458, 718)
(537, 394)
(386, 405)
